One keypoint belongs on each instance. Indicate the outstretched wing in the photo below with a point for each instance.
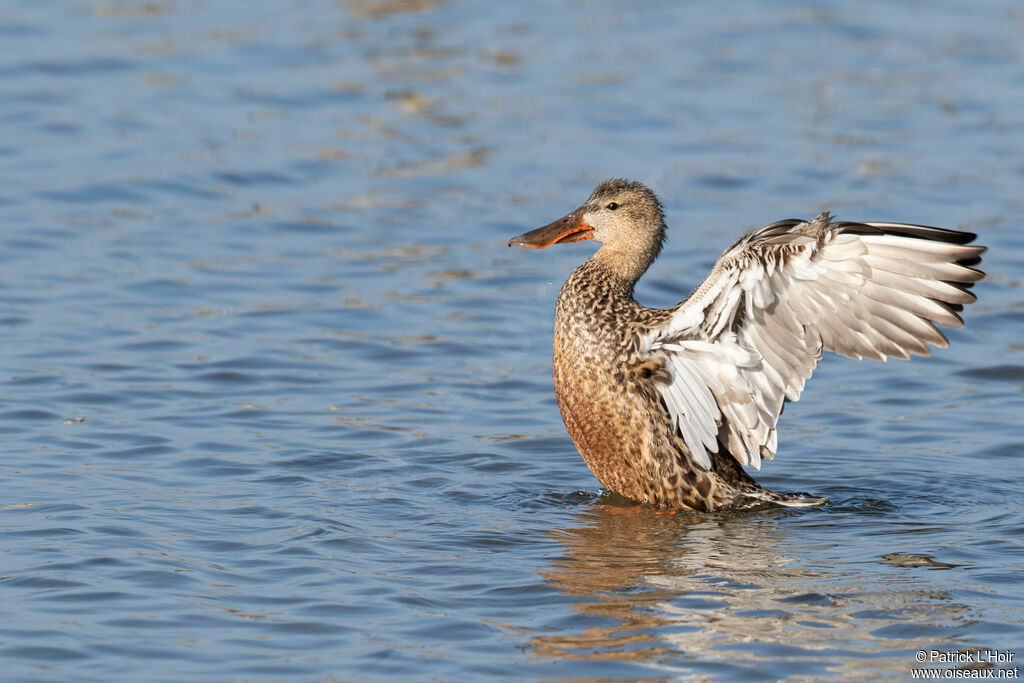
(750, 335)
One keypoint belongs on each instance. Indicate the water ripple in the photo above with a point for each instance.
(276, 397)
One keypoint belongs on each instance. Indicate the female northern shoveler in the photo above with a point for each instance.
(667, 405)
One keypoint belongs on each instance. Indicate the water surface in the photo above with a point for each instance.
(275, 398)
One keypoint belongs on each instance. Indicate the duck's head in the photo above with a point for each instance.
(622, 215)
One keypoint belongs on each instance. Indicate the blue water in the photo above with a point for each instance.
(275, 398)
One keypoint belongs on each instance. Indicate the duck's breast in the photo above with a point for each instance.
(609, 406)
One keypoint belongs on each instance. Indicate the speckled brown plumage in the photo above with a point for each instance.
(665, 405)
(611, 407)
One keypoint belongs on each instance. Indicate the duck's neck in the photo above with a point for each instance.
(624, 266)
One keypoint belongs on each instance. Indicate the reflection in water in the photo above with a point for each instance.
(378, 9)
(680, 591)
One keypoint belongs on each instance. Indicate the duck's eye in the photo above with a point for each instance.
(612, 206)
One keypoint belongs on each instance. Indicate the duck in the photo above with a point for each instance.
(667, 407)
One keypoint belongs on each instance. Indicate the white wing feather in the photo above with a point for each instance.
(751, 334)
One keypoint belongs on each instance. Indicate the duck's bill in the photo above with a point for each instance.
(571, 228)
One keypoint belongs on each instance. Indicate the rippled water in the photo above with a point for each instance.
(276, 398)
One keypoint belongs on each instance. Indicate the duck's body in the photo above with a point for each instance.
(665, 405)
(607, 393)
